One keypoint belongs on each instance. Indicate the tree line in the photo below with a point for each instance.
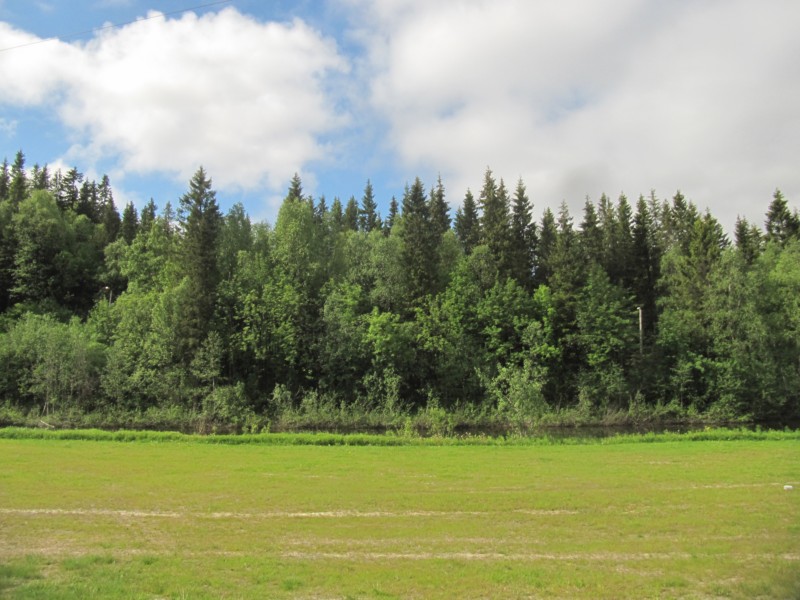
(640, 307)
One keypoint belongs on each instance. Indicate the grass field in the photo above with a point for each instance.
(186, 519)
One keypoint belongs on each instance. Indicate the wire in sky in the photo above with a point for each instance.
(115, 25)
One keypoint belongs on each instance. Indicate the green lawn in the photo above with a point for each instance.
(694, 519)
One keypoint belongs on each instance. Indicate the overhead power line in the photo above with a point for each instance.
(116, 25)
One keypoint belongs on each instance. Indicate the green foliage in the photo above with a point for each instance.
(48, 364)
(336, 317)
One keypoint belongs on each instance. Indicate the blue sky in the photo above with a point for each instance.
(577, 97)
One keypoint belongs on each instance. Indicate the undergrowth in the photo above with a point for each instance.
(392, 439)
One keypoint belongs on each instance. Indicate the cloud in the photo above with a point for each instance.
(8, 127)
(113, 3)
(582, 97)
(245, 99)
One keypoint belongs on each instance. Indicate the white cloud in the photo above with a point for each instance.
(580, 97)
(245, 99)
(8, 127)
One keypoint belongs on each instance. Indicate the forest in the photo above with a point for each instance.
(638, 310)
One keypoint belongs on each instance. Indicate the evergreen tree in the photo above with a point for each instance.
(130, 223)
(350, 219)
(40, 178)
(148, 216)
(5, 181)
(678, 222)
(495, 222)
(591, 237)
(748, 240)
(201, 221)
(18, 187)
(111, 221)
(368, 214)
(419, 242)
(321, 209)
(337, 215)
(781, 225)
(621, 270)
(295, 189)
(438, 209)
(69, 192)
(88, 201)
(523, 234)
(547, 242)
(567, 276)
(646, 264)
(467, 224)
(392, 218)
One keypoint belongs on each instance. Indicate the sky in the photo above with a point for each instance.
(576, 97)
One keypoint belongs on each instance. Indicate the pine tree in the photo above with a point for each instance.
(467, 224)
(368, 214)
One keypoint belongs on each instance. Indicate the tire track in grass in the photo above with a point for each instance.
(330, 514)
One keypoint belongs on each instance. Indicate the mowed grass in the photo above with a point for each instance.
(679, 519)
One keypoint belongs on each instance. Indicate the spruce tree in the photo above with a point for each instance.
(18, 187)
(591, 237)
(337, 215)
(438, 209)
(523, 237)
(392, 218)
(419, 242)
(5, 181)
(295, 189)
(350, 220)
(748, 240)
(40, 178)
(368, 214)
(548, 234)
(495, 222)
(201, 222)
(646, 264)
(130, 223)
(148, 216)
(781, 225)
(467, 225)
